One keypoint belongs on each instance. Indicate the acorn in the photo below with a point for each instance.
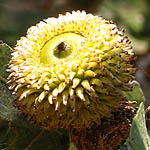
(71, 70)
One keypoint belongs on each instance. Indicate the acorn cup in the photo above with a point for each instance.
(70, 71)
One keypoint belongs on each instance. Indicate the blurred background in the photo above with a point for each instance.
(16, 16)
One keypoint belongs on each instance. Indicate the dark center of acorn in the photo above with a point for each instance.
(62, 50)
(61, 47)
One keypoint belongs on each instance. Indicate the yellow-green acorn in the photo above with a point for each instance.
(70, 70)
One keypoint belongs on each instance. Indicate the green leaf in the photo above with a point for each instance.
(139, 138)
(5, 51)
(21, 138)
(136, 94)
(8, 112)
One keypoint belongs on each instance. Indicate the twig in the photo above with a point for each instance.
(34, 140)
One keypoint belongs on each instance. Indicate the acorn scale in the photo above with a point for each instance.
(71, 70)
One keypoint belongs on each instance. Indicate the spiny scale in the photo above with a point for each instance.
(70, 70)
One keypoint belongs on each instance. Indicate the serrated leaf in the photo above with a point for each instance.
(136, 94)
(139, 138)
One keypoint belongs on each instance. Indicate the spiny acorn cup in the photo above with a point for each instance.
(71, 70)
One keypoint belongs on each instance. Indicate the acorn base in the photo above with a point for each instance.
(107, 134)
